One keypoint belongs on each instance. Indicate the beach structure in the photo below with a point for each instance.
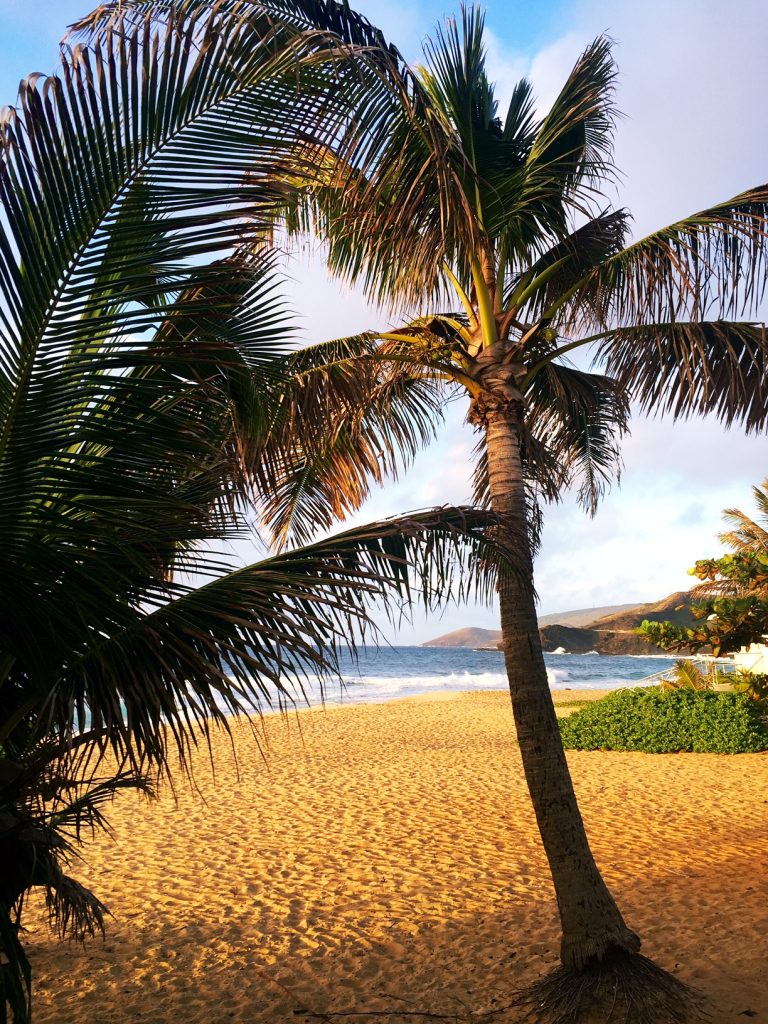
(753, 658)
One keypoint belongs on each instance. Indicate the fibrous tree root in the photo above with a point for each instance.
(622, 988)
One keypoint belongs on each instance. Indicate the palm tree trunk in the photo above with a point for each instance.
(592, 925)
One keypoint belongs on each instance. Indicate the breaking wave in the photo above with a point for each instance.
(391, 673)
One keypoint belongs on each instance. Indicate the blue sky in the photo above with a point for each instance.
(693, 87)
(30, 32)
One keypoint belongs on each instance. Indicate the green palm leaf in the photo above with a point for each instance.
(715, 367)
(579, 419)
(248, 639)
(746, 534)
(574, 142)
(136, 365)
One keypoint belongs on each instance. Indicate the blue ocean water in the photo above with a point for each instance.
(386, 673)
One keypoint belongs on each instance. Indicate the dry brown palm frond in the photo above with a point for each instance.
(347, 417)
(711, 264)
(690, 368)
(625, 988)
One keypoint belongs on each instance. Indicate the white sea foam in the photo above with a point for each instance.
(654, 657)
(556, 676)
(405, 672)
(367, 689)
(380, 687)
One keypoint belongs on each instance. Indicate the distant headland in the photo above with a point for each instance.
(607, 630)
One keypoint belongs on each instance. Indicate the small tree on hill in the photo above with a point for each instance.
(732, 610)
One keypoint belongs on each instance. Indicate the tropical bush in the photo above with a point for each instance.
(657, 722)
(754, 684)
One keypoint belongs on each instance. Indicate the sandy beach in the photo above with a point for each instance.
(384, 857)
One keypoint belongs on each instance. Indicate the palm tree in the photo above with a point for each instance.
(51, 794)
(142, 358)
(502, 226)
(506, 226)
(747, 534)
(688, 675)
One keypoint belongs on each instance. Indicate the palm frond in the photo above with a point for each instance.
(687, 675)
(745, 534)
(346, 418)
(157, 125)
(709, 265)
(533, 292)
(394, 228)
(74, 911)
(330, 16)
(247, 639)
(393, 223)
(575, 423)
(717, 368)
(520, 124)
(574, 142)
(456, 78)
(137, 318)
(15, 973)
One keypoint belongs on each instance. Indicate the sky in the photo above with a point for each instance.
(692, 88)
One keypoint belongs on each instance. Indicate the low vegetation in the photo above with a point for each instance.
(657, 722)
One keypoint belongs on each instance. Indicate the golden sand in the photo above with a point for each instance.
(385, 857)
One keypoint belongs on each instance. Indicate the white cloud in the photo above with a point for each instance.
(693, 83)
(552, 64)
(505, 69)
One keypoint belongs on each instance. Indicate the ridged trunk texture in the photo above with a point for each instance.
(592, 923)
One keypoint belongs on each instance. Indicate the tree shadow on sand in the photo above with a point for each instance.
(469, 968)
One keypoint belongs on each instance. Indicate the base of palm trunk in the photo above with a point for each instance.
(622, 988)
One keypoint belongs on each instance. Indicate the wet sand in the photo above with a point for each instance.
(385, 857)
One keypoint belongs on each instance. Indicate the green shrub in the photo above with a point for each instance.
(658, 722)
(754, 684)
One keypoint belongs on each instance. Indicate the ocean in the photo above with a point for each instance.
(386, 673)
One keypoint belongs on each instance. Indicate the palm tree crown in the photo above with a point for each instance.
(747, 534)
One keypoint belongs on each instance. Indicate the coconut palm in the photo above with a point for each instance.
(498, 234)
(747, 534)
(504, 243)
(142, 357)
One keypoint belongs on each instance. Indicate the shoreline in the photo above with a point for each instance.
(384, 857)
